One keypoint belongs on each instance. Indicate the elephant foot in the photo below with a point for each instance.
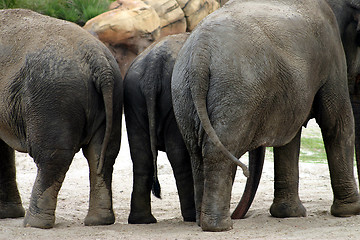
(189, 216)
(198, 214)
(39, 221)
(215, 224)
(287, 209)
(346, 208)
(136, 218)
(100, 217)
(11, 210)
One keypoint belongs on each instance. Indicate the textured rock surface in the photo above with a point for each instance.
(132, 25)
(172, 18)
(126, 30)
(196, 10)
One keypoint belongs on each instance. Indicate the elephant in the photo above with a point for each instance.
(151, 127)
(347, 14)
(61, 91)
(250, 76)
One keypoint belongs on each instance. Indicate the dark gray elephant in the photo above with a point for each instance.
(250, 76)
(347, 13)
(151, 126)
(61, 90)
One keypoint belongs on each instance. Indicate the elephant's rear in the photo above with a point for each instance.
(147, 85)
(149, 122)
(248, 46)
(61, 90)
(249, 76)
(54, 69)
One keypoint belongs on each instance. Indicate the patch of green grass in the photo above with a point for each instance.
(312, 145)
(78, 11)
(312, 150)
(7, 3)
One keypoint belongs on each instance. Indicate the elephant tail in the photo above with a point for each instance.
(200, 72)
(151, 106)
(107, 90)
(256, 163)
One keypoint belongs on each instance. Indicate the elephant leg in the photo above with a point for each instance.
(356, 111)
(10, 201)
(180, 163)
(52, 166)
(143, 170)
(219, 174)
(197, 166)
(336, 121)
(100, 203)
(181, 166)
(286, 201)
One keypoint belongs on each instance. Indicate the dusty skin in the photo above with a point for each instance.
(315, 192)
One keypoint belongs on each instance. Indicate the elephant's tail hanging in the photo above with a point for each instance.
(199, 89)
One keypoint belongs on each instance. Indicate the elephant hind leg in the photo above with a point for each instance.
(286, 201)
(10, 201)
(100, 204)
(335, 118)
(143, 168)
(140, 210)
(52, 166)
(219, 175)
(180, 162)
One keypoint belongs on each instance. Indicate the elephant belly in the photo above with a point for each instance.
(281, 126)
(247, 121)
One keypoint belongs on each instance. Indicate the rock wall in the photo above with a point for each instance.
(132, 25)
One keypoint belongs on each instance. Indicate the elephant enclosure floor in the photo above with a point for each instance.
(315, 193)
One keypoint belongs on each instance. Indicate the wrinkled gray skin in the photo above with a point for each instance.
(151, 127)
(252, 74)
(347, 14)
(61, 90)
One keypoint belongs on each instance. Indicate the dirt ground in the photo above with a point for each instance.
(315, 193)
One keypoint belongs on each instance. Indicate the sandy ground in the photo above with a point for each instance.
(315, 193)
